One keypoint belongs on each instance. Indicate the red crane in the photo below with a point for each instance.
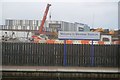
(41, 34)
(44, 18)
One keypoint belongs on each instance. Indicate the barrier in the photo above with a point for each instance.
(73, 42)
(43, 54)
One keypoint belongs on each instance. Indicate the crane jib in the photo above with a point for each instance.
(44, 18)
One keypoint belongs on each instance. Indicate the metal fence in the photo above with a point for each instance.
(41, 54)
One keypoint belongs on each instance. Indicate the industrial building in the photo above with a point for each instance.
(22, 27)
(26, 28)
(49, 25)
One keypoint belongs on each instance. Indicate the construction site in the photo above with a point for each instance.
(58, 50)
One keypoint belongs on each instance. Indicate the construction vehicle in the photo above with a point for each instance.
(42, 34)
(99, 30)
(112, 32)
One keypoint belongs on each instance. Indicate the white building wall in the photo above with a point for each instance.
(35, 24)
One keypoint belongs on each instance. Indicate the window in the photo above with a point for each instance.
(106, 39)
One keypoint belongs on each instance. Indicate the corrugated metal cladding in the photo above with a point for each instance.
(34, 25)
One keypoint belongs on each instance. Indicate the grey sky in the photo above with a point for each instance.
(95, 14)
(59, 0)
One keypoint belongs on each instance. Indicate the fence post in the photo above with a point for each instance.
(92, 54)
(64, 63)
